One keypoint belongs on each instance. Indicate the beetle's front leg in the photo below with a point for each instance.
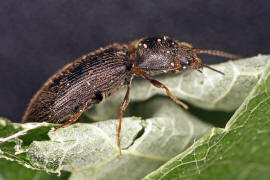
(122, 109)
(160, 85)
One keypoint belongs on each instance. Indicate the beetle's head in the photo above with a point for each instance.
(162, 54)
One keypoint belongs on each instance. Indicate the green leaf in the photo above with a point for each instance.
(161, 130)
(10, 170)
(90, 150)
(239, 151)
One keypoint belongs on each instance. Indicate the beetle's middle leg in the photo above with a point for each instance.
(122, 109)
(160, 85)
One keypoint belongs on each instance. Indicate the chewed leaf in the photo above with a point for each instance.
(239, 151)
(10, 170)
(90, 150)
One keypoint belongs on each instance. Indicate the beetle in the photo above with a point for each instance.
(94, 77)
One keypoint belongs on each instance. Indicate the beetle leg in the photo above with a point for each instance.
(160, 85)
(74, 119)
(122, 109)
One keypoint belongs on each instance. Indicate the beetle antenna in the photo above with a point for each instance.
(217, 53)
(209, 67)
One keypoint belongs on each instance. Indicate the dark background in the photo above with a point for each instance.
(39, 37)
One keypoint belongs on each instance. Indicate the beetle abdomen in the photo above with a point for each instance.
(91, 79)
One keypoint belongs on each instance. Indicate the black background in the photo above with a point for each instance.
(39, 37)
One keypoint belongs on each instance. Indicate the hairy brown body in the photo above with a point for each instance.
(91, 79)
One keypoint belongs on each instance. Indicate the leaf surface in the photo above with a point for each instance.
(239, 151)
(161, 130)
(90, 150)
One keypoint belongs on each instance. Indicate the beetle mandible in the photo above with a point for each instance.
(95, 76)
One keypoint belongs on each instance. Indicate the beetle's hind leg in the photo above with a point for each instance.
(160, 85)
(122, 109)
(75, 118)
